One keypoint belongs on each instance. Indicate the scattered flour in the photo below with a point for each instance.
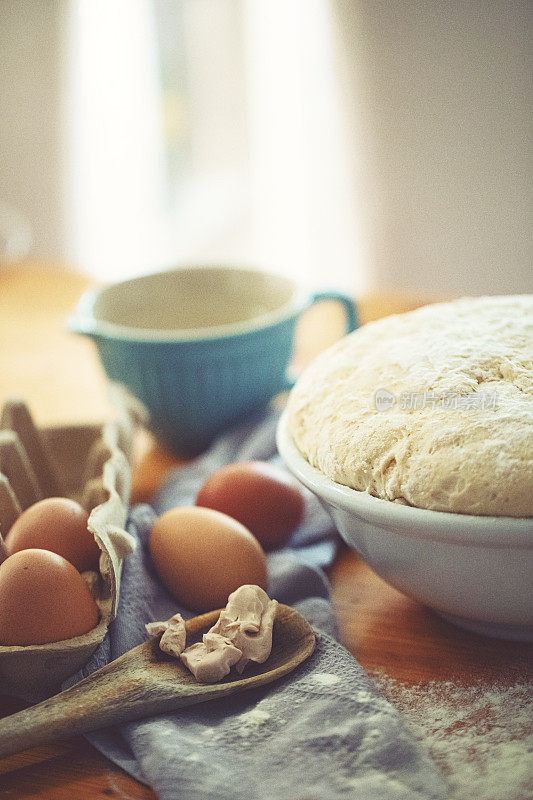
(480, 737)
(325, 678)
(256, 716)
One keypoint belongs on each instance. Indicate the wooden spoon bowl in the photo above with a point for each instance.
(145, 681)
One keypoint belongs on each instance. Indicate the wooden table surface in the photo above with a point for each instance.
(392, 636)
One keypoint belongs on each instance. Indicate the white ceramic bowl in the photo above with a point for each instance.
(475, 571)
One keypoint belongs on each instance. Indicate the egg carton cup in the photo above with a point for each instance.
(90, 464)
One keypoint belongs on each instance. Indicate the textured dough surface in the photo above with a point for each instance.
(471, 453)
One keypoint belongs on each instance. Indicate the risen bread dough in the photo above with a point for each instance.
(463, 441)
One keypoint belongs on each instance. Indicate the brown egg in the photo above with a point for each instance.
(59, 525)
(260, 496)
(43, 598)
(202, 556)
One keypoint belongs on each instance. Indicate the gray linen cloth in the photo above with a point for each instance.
(321, 733)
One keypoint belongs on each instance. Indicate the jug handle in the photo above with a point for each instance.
(351, 321)
(82, 321)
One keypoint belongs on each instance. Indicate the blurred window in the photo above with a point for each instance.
(209, 130)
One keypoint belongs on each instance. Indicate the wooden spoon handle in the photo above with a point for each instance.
(98, 702)
(83, 707)
(144, 682)
(123, 690)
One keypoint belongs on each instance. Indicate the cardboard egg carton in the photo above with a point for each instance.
(90, 464)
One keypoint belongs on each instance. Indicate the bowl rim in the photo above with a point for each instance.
(420, 523)
(85, 321)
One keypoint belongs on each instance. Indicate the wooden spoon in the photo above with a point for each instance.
(145, 681)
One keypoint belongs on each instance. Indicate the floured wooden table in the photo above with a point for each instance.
(468, 698)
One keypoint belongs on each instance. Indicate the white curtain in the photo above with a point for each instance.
(116, 168)
(344, 142)
(283, 201)
(267, 183)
